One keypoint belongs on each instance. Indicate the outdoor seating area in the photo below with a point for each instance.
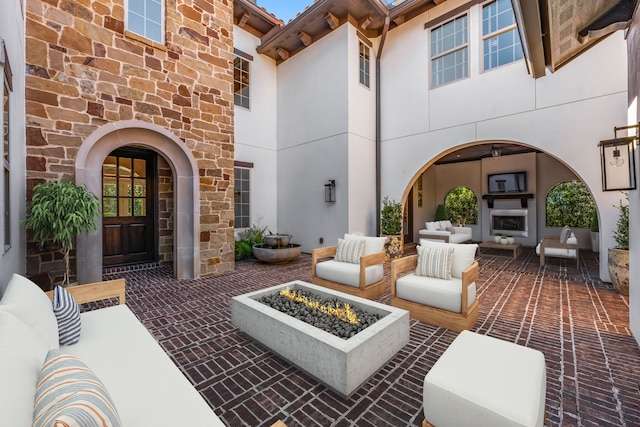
(550, 309)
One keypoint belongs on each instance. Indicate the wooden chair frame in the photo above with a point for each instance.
(97, 291)
(372, 291)
(435, 316)
(553, 242)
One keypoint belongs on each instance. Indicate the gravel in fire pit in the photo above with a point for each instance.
(326, 322)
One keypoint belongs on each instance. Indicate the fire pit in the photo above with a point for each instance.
(343, 365)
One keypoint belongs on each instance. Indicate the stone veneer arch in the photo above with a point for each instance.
(88, 171)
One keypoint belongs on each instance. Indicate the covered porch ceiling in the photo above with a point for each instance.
(553, 32)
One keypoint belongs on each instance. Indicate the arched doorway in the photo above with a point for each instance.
(471, 165)
(89, 162)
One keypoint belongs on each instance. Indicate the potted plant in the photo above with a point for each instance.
(497, 237)
(391, 227)
(510, 239)
(595, 232)
(58, 211)
(618, 262)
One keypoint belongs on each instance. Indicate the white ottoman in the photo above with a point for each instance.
(484, 381)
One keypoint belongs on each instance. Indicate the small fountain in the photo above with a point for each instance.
(277, 249)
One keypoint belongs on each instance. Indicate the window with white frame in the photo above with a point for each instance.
(242, 217)
(365, 64)
(240, 81)
(501, 41)
(449, 52)
(7, 88)
(146, 18)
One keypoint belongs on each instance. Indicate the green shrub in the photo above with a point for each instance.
(441, 213)
(253, 235)
(391, 217)
(569, 203)
(621, 234)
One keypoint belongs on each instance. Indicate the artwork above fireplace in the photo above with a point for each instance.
(509, 221)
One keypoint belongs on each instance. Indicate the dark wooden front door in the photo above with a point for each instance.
(128, 208)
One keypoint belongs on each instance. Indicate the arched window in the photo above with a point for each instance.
(569, 203)
(462, 206)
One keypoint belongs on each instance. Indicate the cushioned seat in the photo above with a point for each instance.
(356, 267)
(563, 246)
(484, 381)
(347, 273)
(444, 293)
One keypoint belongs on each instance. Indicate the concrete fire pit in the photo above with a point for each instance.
(342, 365)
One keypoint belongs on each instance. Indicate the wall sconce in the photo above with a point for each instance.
(618, 160)
(330, 191)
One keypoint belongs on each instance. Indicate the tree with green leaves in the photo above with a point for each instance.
(59, 210)
(462, 206)
(570, 203)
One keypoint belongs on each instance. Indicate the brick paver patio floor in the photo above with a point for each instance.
(578, 322)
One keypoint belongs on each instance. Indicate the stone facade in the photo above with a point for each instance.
(84, 71)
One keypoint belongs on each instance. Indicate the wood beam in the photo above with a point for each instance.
(365, 22)
(305, 38)
(282, 53)
(332, 20)
(243, 20)
(399, 20)
(437, 2)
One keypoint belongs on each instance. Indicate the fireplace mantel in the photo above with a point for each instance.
(524, 197)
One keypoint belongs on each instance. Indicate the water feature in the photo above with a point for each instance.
(277, 249)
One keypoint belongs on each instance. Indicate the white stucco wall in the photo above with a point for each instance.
(633, 40)
(564, 114)
(362, 143)
(326, 130)
(255, 132)
(12, 259)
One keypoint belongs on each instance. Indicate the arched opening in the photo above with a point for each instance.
(89, 162)
(470, 166)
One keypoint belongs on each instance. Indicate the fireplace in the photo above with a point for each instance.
(509, 221)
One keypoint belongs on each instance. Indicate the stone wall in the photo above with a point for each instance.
(165, 213)
(83, 70)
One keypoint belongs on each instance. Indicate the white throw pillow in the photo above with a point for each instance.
(564, 234)
(463, 254)
(445, 224)
(22, 354)
(431, 226)
(372, 244)
(25, 300)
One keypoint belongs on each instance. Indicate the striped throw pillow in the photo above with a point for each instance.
(68, 315)
(350, 250)
(69, 394)
(435, 263)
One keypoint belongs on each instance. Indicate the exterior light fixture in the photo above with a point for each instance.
(495, 151)
(330, 191)
(617, 159)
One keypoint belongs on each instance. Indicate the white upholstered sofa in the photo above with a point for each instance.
(446, 232)
(429, 297)
(146, 387)
(563, 246)
(362, 276)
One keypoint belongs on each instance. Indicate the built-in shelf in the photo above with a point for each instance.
(524, 197)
